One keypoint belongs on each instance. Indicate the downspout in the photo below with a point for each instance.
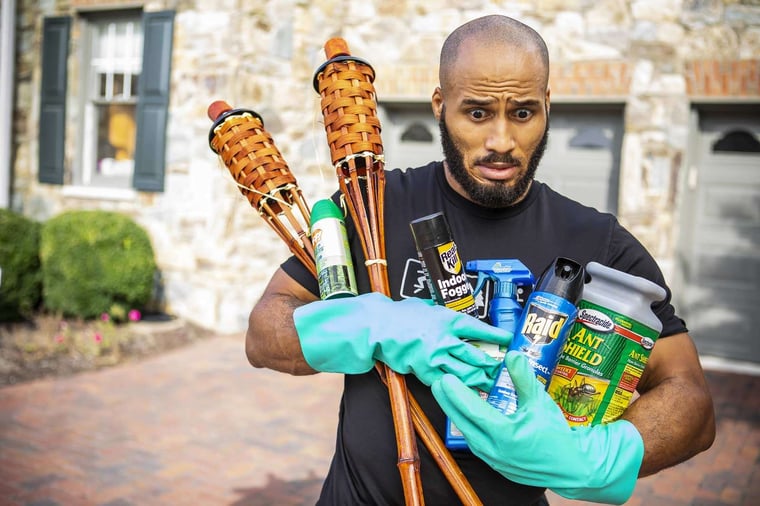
(7, 66)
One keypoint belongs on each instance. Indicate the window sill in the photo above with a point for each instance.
(99, 193)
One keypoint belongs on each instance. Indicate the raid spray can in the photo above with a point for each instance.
(335, 271)
(543, 327)
(443, 268)
(504, 311)
(608, 346)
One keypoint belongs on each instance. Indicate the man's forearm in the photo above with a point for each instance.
(271, 340)
(674, 414)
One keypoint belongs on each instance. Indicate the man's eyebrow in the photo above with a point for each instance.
(482, 102)
(530, 102)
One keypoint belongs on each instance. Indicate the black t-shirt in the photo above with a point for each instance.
(541, 227)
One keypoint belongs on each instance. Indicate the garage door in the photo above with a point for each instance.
(582, 158)
(720, 240)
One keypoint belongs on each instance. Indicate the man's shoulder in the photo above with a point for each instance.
(569, 208)
(412, 175)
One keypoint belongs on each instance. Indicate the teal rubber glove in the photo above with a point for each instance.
(410, 336)
(535, 445)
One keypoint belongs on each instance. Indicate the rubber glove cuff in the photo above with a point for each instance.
(613, 480)
(320, 326)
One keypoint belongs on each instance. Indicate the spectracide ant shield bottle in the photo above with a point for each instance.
(546, 319)
(607, 347)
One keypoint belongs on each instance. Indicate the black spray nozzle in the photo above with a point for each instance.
(431, 230)
(564, 278)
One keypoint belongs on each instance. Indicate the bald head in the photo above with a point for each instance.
(489, 32)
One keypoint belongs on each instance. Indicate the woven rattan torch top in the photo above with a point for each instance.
(336, 50)
(218, 112)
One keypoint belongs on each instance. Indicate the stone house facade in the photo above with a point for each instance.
(657, 61)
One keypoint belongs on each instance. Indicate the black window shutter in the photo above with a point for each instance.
(52, 124)
(153, 101)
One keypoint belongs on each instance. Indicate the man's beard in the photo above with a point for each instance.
(496, 193)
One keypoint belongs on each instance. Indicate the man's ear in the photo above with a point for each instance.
(548, 100)
(437, 103)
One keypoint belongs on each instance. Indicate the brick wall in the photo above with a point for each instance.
(590, 79)
(714, 78)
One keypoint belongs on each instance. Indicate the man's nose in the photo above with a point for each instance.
(500, 138)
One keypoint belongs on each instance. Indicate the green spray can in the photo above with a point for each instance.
(335, 270)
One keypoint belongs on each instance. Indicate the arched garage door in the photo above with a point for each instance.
(719, 249)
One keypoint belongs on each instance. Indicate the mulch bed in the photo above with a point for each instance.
(50, 346)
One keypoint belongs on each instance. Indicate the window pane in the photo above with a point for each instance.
(121, 43)
(116, 140)
(109, 108)
(102, 85)
(118, 86)
(737, 141)
(133, 87)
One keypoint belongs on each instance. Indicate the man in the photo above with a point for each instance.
(493, 110)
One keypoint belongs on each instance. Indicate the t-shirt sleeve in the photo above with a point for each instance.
(627, 254)
(296, 270)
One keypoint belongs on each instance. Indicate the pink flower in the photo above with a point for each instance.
(105, 317)
(98, 337)
(134, 315)
(59, 339)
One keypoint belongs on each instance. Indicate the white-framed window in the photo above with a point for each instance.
(111, 66)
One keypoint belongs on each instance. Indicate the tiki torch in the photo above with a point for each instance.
(249, 153)
(247, 150)
(349, 108)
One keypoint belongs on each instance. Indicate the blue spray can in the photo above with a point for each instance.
(543, 327)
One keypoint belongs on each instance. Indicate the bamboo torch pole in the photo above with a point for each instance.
(349, 108)
(247, 150)
(352, 126)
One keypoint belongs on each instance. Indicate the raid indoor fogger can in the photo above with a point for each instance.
(443, 268)
(335, 270)
(448, 285)
(608, 346)
(543, 327)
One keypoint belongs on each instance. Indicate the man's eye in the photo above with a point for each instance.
(478, 114)
(523, 114)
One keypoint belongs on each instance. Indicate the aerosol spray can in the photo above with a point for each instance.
(443, 268)
(335, 270)
(543, 328)
(449, 286)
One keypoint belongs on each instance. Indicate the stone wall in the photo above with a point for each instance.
(215, 253)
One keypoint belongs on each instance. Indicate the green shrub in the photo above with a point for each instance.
(20, 286)
(95, 262)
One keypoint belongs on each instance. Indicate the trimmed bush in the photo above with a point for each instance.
(95, 262)
(20, 287)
